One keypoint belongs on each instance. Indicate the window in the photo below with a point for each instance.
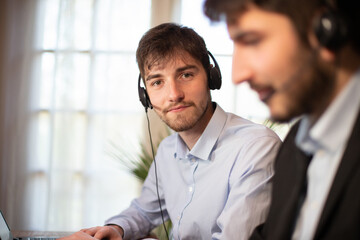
(84, 98)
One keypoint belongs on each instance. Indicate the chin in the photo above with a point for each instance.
(280, 118)
(280, 108)
(280, 113)
(284, 115)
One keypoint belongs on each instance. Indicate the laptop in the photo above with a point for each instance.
(5, 233)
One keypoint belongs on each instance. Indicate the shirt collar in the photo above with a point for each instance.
(334, 127)
(205, 144)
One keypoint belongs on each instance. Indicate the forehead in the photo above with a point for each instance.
(176, 59)
(255, 18)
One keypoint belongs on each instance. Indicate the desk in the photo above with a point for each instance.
(19, 234)
(23, 234)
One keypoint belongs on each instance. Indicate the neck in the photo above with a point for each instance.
(191, 136)
(346, 64)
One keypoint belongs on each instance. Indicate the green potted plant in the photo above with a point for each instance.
(138, 166)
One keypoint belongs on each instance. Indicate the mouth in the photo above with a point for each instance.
(265, 93)
(177, 108)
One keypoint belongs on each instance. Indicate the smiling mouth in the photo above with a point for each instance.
(177, 108)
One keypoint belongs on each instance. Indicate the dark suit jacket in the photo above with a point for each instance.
(340, 218)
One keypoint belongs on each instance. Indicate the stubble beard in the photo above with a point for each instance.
(312, 94)
(186, 121)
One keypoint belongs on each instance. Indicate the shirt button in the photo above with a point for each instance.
(193, 160)
(191, 189)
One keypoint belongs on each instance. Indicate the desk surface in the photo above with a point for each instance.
(23, 234)
(18, 234)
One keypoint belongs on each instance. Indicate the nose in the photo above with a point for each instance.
(176, 93)
(241, 70)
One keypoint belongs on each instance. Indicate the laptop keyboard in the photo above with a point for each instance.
(35, 238)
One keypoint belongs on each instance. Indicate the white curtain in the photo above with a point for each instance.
(61, 105)
(17, 48)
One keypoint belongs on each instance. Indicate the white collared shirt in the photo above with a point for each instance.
(220, 189)
(326, 141)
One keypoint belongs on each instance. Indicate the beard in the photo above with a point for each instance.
(308, 90)
(188, 119)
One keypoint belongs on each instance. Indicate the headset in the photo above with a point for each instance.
(214, 74)
(330, 28)
(214, 82)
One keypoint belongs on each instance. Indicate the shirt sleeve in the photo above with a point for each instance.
(144, 212)
(250, 189)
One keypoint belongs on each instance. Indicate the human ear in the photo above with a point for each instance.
(326, 54)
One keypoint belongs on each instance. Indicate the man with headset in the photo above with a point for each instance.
(303, 59)
(212, 177)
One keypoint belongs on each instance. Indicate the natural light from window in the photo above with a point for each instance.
(84, 102)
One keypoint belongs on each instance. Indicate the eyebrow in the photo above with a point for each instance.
(238, 34)
(186, 68)
(152, 76)
(177, 71)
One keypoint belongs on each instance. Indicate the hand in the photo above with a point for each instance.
(111, 232)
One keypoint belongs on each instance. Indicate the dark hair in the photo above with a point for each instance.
(300, 12)
(164, 41)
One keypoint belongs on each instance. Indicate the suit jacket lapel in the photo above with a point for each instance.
(287, 187)
(349, 163)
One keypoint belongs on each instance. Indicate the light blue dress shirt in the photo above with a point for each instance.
(326, 141)
(219, 190)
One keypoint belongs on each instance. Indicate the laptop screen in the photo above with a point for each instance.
(5, 233)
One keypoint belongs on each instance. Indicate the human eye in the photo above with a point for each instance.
(155, 83)
(187, 75)
(252, 40)
(249, 39)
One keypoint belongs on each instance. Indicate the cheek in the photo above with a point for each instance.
(197, 94)
(156, 98)
(278, 63)
(198, 87)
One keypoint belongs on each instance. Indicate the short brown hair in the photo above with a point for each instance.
(300, 12)
(166, 40)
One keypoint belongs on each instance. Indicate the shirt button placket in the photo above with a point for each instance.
(191, 187)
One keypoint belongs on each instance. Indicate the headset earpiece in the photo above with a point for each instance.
(143, 96)
(214, 75)
(330, 30)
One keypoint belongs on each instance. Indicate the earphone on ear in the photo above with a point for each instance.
(143, 95)
(330, 29)
(214, 75)
(214, 82)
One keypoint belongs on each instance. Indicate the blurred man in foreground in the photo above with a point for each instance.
(303, 59)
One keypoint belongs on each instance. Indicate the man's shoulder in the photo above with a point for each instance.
(242, 127)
